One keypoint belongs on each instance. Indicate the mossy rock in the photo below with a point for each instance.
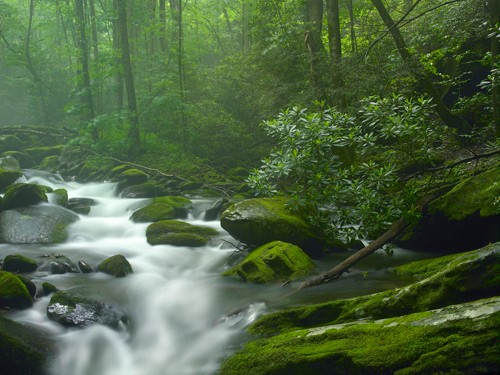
(50, 163)
(40, 153)
(465, 218)
(30, 285)
(150, 189)
(9, 143)
(116, 171)
(71, 310)
(453, 279)
(60, 197)
(133, 177)
(276, 261)
(262, 220)
(22, 195)
(19, 263)
(81, 206)
(24, 349)
(178, 233)
(163, 208)
(10, 163)
(94, 170)
(116, 265)
(25, 161)
(8, 177)
(13, 292)
(459, 339)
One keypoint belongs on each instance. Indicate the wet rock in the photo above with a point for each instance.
(9, 142)
(116, 265)
(214, 211)
(132, 177)
(49, 288)
(274, 262)
(72, 310)
(40, 153)
(59, 265)
(163, 208)
(30, 285)
(25, 161)
(8, 177)
(10, 163)
(81, 205)
(35, 224)
(50, 163)
(13, 292)
(23, 349)
(22, 195)
(178, 233)
(262, 220)
(60, 197)
(85, 267)
(458, 339)
(19, 263)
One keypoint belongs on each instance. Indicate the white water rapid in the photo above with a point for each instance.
(176, 301)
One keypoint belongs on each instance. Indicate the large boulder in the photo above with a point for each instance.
(19, 263)
(458, 339)
(9, 142)
(40, 153)
(274, 262)
(22, 195)
(71, 310)
(178, 233)
(35, 224)
(163, 208)
(23, 349)
(452, 279)
(8, 177)
(25, 161)
(261, 220)
(116, 265)
(465, 218)
(13, 292)
(214, 211)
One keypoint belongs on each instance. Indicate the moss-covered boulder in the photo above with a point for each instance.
(50, 163)
(59, 197)
(261, 220)
(8, 177)
(23, 349)
(71, 310)
(178, 233)
(163, 208)
(22, 195)
(442, 281)
(40, 153)
(10, 163)
(13, 292)
(19, 263)
(465, 218)
(133, 177)
(116, 265)
(25, 161)
(35, 224)
(150, 189)
(458, 339)
(9, 142)
(276, 261)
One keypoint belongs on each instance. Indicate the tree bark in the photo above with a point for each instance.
(447, 117)
(494, 9)
(354, 44)
(313, 16)
(133, 134)
(334, 37)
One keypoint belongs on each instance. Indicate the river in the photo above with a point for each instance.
(184, 317)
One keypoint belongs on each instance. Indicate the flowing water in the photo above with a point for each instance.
(184, 317)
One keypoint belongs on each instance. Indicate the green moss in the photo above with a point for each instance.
(456, 279)
(116, 265)
(178, 233)
(19, 263)
(406, 345)
(475, 194)
(8, 177)
(275, 261)
(22, 195)
(134, 176)
(50, 163)
(163, 208)
(39, 153)
(13, 292)
(60, 197)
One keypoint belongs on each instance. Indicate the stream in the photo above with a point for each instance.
(178, 305)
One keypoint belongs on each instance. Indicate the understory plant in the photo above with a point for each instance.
(343, 170)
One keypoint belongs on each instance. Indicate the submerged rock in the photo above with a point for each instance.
(58, 264)
(456, 339)
(178, 233)
(261, 220)
(35, 224)
(163, 208)
(274, 262)
(116, 265)
(72, 310)
(81, 206)
(13, 292)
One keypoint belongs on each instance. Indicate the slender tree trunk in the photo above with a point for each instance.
(182, 77)
(133, 134)
(119, 84)
(88, 112)
(334, 37)
(163, 26)
(449, 119)
(245, 27)
(494, 8)
(354, 44)
(313, 16)
(40, 84)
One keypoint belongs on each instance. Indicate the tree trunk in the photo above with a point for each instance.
(245, 27)
(449, 119)
(133, 134)
(354, 44)
(494, 8)
(163, 26)
(334, 37)
(119, 84)
(84, 77)
(313, 16)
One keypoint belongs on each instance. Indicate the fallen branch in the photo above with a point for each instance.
(394, 230)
